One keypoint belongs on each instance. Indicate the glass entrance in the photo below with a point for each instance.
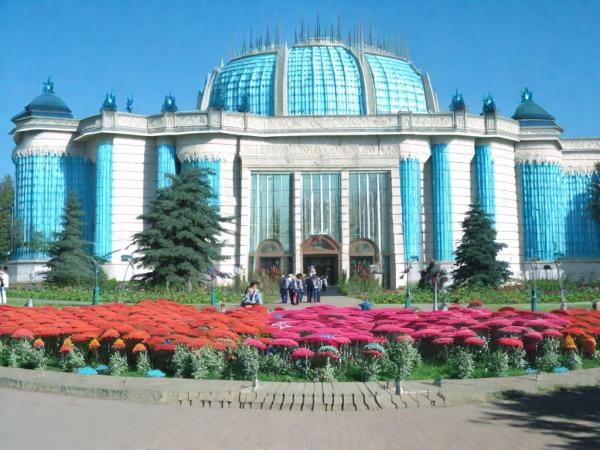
(324, 265)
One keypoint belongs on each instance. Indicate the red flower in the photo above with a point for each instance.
(285, 343)
(443, 341)
(66, 348)
(22, 333)
(255, 343)
(477, 341)
(139, 348)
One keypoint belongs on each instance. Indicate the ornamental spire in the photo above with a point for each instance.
(526, 95)
(48, 86)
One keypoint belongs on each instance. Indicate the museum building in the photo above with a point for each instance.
(325, 153)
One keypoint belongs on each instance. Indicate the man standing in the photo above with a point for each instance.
(284, 288)
(317, 288)
(299, 287)
(310, 287)
(4, 282)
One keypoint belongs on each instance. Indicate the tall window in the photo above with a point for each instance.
(271, 209)
(321, 212)
(370, 208)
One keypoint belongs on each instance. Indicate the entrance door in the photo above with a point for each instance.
(324, 265)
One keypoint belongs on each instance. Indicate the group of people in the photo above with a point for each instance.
(4, 281)
(293, 287)
(252, 295)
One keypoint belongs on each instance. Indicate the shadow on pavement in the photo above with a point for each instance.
(572, 415)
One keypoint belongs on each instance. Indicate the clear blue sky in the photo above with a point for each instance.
(153, 47)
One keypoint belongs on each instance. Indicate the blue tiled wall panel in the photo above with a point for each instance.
(484, 180)
(398, 87)
(543, 194)
(253, 76)
(582, 231)
(410, 191)
(166, 163)
(441, 199)
(214, 177)
(323, 80)
(42, 183)
(103, 222)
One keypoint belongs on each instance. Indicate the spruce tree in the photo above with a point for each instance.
(180, 242)
(477, 252)
(6, 208)
(595, 203)
(70, 262)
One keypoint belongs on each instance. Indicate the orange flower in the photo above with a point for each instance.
(38, 343)
(569, 344)
(66, 348)
(589, 346)
(118, 344)
(94, 344)
(68, 342)
(139, 348)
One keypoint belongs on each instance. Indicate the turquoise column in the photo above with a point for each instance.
(484, 180)
(166, 163)
(543, 209)
(40, 192)
(441, 201)
(103, 222)
(582, 236)
(214, 177)
(410, 192)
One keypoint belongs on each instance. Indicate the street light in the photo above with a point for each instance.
(533, 262)
(129, 260)
(408, 271)
(557, 260)
(96, 261)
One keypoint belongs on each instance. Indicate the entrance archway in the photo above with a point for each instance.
(323, 252)
(363, 254)
(270, 257)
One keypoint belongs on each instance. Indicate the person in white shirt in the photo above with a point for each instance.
(4, 282)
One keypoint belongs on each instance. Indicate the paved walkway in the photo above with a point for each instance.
(52, 422)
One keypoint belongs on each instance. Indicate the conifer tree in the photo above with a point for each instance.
(476, 254)
(183, 225)
(70, 262)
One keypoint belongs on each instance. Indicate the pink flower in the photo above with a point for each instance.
(477, 341)
(22, 333)
(552, 333)
(443, 341)
(533, 336)
(510, 342)
(302, 352)
(283, 342)
(255, 343)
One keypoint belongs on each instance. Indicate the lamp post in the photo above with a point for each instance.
(96, 261)
(408, 270)
(129, 260)
(533, 262)
(212, 273)
(557, 261)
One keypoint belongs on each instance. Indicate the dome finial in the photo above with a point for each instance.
(48, 86)
(489, 105)
(526, 95)
(169, 104)
(129, 105)
(458, 102)
(110, 102)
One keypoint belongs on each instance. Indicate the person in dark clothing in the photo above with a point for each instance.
(310, 287)
(284, 287)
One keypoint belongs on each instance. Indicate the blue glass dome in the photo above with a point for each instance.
(319, 78)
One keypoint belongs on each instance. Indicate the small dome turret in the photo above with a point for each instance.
(48, 104)
(529, 113)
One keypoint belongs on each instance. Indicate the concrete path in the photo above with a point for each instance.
(47, 421)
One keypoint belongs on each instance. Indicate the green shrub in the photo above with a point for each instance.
(118, 364)
(573, 361)
(461, 361)
(142, 364)
(404, 358)
(516, 358)
(498, 363)
(73, 360)
(182, 362)
(247, 362)
(326, 374)
(275, 364)
(548, 354)
(207, 363)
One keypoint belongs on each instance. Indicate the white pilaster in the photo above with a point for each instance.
(345, 220)
(297, 221)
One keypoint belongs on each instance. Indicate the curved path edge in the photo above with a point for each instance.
(289, 396)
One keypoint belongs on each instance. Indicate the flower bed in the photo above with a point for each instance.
(319, 342)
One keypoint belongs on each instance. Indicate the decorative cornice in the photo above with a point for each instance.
(581, 144)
